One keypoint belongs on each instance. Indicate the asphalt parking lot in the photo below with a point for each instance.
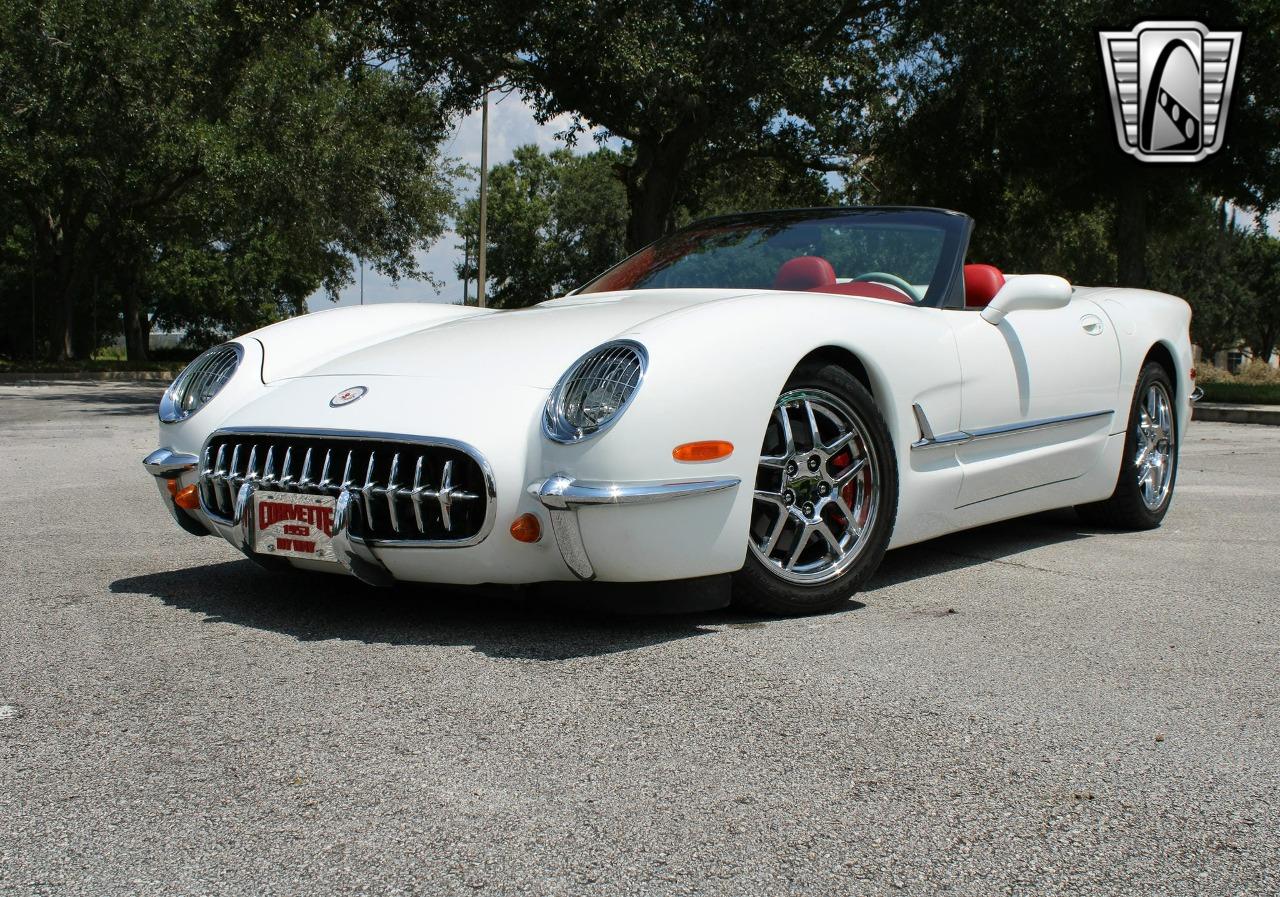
(1030, 708)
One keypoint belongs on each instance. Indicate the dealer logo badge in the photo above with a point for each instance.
(1170, 86)
(347, 396)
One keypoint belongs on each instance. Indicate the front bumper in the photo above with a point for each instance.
(562, 496)
(564, 499)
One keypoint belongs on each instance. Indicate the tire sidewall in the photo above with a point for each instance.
(1127, 485)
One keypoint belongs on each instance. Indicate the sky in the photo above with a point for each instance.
(511, 124)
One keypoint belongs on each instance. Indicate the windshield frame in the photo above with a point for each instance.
(946, 288)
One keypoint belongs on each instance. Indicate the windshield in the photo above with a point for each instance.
(905, 255)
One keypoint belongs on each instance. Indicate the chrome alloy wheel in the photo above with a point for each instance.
(1154, 459)
(817, 488)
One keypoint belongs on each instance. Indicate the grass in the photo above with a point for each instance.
(1243, 393)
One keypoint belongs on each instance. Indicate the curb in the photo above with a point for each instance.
(1237, 414)
(37, 376)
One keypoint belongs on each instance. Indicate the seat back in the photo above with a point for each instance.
(804, 272)
(981, 283)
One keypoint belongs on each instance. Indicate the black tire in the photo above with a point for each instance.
(1127, 508)
(869, 488)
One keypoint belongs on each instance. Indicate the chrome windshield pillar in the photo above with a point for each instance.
(562, 496)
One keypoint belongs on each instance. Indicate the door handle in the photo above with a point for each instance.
(1091, 324)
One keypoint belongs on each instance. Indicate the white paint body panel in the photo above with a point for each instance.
(717, 361)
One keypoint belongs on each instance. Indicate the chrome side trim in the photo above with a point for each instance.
(562, 495)
(166, 464)
(1197, 394)
(960, 437)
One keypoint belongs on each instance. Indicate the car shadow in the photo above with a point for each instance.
(112, 398)
(969, 548)
(501, 622)
(550, 622)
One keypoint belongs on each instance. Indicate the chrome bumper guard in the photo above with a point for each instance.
(166, 464)
(351, 551)
(1197, 394)
(562, 495)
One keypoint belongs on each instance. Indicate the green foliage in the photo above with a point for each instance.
(690, 85)
(204, 163)
(1243, 393)
(555, 220)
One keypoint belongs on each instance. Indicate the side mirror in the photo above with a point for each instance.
(1027, 292)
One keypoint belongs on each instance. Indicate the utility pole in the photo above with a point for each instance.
(483, 240)
(362, 280)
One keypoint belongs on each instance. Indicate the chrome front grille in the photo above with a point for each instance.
(408, 490)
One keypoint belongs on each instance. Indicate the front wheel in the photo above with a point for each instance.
(826, 495)
(1149, 465)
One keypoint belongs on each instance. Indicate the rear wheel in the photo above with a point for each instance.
(1150, 463)
(826, 494)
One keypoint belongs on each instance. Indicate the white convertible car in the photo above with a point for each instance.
(774, 397)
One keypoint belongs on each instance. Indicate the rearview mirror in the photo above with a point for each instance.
(1027, 292)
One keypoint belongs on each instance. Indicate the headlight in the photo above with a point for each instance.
(200, 382)
(594, 392)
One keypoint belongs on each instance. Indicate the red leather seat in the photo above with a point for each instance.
(805, 272)
(981, 283)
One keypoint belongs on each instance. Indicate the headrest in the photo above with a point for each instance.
(981, 283)
(804, 272)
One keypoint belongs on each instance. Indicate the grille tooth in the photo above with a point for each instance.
(392, 492)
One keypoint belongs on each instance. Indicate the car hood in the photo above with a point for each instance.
(529, 346)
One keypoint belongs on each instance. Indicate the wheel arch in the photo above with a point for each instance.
(1162, 354)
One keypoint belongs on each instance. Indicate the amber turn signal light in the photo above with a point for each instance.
(526, 528)
(187, 499)
(707, 450)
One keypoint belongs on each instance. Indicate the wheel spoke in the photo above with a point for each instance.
(814, 440)
(771, 497)
(838, 443)
(831, 540)
(850, 472)
(851, 527)
(775, 534)
(802, 541)
(788, 438)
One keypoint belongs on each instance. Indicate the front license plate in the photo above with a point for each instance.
(290, 525)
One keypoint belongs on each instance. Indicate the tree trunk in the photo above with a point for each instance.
(652, 181)
(1131, 233)
(136, 336)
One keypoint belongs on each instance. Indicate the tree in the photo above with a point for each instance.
(686, 83)
(269, 138)
(1261, 273)
(1002, 111)
(556, 220)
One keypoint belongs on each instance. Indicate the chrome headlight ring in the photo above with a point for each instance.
(199, 382)
(593, 393)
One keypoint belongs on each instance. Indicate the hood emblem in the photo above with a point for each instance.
(347, 396)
